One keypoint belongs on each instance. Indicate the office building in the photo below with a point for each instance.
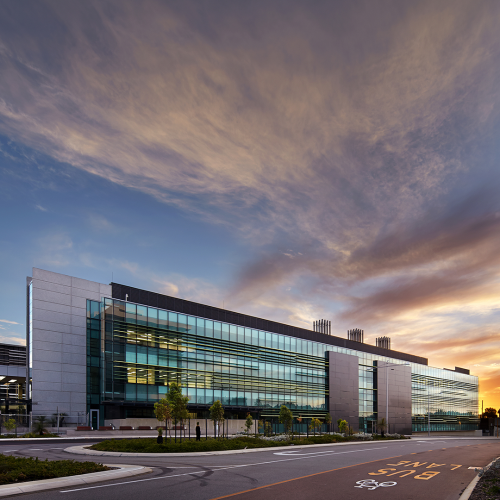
(109, 352)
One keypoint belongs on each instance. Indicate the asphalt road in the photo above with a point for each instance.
(411, 470)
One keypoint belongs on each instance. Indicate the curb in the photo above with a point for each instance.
(468, 491)
(83, 450)
(81, 479)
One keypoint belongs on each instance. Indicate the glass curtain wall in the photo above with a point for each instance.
(147, 348)
(135, 351)
(451, 402)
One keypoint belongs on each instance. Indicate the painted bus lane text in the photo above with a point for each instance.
(417, 470)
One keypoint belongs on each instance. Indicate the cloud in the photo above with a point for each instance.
(12, 340)
(9, 322)
(42, 209)
(254, 118)
(55, 249)
(353, 146)
(100, 223)
(173, 284)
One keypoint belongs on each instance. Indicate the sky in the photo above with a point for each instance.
(291, 160)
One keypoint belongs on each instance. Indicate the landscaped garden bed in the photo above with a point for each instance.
(488, 487)
(149, 445)
(19, 469)
(30, 435)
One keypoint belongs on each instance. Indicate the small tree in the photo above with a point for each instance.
(61, 419)
(10, 424)
(178, 403)
(217, 416)
(268, 428)
(382, 425)
(328, 421)
(343, 425)
(490, 412)
(286, 418)
(163, 413)
(40, 424)
(248, 423)
(315, 424)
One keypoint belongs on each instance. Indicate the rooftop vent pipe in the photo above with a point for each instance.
(356, 335)
(323, 326)
(384, 342)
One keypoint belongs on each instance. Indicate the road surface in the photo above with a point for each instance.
(427, 469)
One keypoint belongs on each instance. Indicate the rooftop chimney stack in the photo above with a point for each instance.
(384, 342)
(323, 326)
(357, 335)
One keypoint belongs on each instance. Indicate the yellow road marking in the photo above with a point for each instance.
(302, 477)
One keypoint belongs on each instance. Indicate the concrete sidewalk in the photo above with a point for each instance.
(68, 481)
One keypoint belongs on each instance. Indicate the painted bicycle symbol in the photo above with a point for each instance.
(371, 484)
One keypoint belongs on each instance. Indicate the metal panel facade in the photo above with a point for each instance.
(343, 388)
(58, 343)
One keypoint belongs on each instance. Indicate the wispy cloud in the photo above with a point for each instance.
(42, 209)
(10, 322)
(12, 340)
(55, 249)
(347, 143)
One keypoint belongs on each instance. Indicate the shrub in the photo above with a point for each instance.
(17, 469)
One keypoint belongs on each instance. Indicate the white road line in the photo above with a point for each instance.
(214, 470)
(35, 449)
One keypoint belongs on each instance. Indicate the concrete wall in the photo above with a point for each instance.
(60, 340)
(399, 384)
(343, 399)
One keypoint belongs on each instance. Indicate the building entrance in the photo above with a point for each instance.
(94, 419)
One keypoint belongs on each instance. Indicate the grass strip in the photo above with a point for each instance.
(20, 469)
(149, 445)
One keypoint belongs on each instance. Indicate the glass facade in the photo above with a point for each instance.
(450, 398)
(135, 351)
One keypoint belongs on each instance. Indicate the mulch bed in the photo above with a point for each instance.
(488, 487)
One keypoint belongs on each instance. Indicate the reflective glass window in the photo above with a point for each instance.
(217, 331)
(142, 315)
(130, 392)
(130, 354)
(191, 322)
(255, 337)
(182, 323)
(118, 311)
(152, 356)
(152, 317)
(142, 354)
(172, 321)
(130, 312)
(162, 319)
(209, 328)
(241, 335)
